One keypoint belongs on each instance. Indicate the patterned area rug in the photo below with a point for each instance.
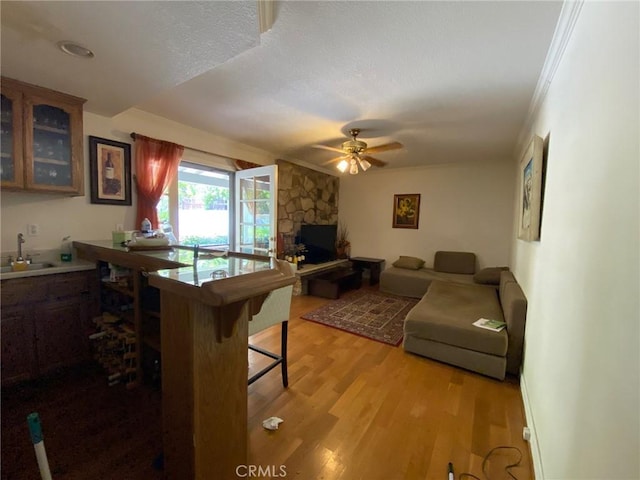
(373, 315)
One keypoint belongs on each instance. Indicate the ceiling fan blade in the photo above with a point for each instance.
(325, 147)
(373, 161)
(337, 159)
(384, 148)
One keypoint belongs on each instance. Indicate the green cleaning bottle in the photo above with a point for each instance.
(66, 249)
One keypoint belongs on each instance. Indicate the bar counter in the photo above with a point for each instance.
(206, 304)
(149, 260)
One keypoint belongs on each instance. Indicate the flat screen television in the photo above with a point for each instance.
(320, 241)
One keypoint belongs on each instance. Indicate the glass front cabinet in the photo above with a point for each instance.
(41, 140)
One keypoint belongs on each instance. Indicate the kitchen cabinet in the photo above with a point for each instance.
(45, 323)
(61, 332)
(18, 345)
(11, 158)
(42, 140)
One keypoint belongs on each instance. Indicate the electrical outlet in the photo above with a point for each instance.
(119, 227)
(33, 230)
(526, 434)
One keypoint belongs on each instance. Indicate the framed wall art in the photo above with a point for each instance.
(530, 191)
(406, 210)
(110, 170)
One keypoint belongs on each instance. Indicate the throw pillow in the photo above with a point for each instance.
(489, 276)
(411, 263)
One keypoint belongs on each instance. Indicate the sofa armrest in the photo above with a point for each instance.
(514, 307)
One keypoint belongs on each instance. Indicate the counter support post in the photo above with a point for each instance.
(204, 380)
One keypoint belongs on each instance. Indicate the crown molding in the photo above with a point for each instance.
(564, 29)
(266, 14)
(309, 165)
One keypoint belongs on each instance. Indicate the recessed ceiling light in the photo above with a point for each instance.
(72, 48)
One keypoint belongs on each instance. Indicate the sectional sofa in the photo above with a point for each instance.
(441, 326)
(408, 277)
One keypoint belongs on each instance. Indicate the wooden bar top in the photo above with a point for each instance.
(225, 279)
(151, 260)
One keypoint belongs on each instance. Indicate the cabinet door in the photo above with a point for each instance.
(53, 145)
(16, 334)
(11, 172)
(61, 334)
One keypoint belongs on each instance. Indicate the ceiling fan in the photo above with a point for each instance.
(356, 153)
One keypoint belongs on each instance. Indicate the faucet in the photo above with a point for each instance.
(20, 242)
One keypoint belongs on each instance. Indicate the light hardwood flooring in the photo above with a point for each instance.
(354, 409)
(359, 409)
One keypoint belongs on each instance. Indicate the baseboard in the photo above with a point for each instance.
(533, 441)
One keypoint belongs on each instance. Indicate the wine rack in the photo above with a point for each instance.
(115, 348)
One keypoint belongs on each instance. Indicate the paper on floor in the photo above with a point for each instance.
(272, 423)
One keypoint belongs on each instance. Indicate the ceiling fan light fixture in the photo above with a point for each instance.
(354, 146)
(343, 165)
(355, 154)
(364, 165)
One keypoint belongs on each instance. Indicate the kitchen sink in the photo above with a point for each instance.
(31, 266)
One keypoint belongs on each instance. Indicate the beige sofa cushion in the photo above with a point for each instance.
(415, 283)
(404, 282)
(455, 262)
(447, 312)
(490, 365)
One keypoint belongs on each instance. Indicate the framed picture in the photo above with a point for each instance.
(530, 191)
(110, 169)
(406, 210)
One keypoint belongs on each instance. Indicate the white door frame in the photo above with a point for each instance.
(270, 171)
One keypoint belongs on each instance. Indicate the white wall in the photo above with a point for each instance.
(464, 207)
(581, 368)
(59, 216)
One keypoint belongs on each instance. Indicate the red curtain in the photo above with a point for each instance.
(156, 166)
(244, 165)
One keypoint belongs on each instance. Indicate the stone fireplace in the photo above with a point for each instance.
(304, 196)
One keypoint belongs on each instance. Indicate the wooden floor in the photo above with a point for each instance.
(354, 409)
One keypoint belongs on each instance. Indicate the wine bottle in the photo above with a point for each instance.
(109, 170)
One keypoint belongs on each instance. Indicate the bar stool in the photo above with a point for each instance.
(275, 309)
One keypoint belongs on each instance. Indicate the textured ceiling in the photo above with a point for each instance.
(451, 81)
(141, 48)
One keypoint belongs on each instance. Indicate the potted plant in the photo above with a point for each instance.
(343, 245)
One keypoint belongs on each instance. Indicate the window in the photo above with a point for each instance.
(198, 206)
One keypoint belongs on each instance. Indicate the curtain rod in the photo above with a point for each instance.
(133, 135)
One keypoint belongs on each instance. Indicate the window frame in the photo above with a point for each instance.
(173, 197)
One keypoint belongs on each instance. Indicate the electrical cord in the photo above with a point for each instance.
(485, 460)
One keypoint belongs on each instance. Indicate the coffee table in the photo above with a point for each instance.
(334, 283)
